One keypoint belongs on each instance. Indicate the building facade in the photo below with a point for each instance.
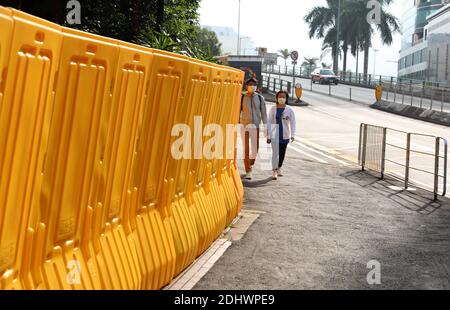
(417, 57)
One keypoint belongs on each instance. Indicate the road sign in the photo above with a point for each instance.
(294, 55)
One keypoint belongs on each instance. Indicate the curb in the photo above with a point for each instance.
(431, 116)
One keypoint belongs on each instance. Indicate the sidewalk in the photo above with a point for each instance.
(321, 224)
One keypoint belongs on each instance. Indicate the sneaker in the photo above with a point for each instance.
(274, 174)
(248, 175)
(280, 174)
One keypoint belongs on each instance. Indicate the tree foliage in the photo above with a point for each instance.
(174, 28)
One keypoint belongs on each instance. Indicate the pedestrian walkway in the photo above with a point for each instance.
(324, 221)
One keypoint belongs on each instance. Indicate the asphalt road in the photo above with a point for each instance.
(328, 131)
(366, 95)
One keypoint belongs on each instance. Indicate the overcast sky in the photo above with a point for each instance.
(277, 24)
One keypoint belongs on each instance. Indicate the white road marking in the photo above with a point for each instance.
(308, 155)
(322, 154)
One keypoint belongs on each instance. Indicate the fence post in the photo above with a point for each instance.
(350, 91)
(364, 147)
(311, 84)
(431, 96)
(411, 97)
(395, 92)
(442, 100)
(329, 89)
(289, 88)
(274, 84)
(436, 168)
(383, 153)
(423, 91)
(408, 155)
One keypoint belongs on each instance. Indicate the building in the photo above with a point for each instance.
(437, 37)
(228, 37)
(414, 57)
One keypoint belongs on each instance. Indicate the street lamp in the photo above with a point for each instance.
(336, 55)
(374, 61)
(239, 30)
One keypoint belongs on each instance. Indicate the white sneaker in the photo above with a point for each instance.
(274, 174)
(248, 175)
(280, 174)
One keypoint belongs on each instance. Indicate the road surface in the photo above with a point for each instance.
(365, 95)
(328, 132)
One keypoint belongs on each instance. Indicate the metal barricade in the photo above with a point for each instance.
(372, 155)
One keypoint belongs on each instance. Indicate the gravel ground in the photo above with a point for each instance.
(323, 224)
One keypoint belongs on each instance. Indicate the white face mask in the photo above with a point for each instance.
(281, 100)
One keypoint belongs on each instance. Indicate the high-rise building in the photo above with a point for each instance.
(414, 60)
(228, 38)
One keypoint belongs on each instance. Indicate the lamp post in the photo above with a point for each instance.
(239, 30)
(374, 61)
(338, 23)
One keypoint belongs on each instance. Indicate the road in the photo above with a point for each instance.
(328, 132)
(365, 95)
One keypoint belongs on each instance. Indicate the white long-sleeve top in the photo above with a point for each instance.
(288, 121)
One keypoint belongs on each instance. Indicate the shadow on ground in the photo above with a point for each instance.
(417, 200)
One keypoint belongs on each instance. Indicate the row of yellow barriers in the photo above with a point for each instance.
(90, 196)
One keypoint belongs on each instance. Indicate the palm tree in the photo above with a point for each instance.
(355, 30)
(322, 25)
(284, 53)
(310, 63)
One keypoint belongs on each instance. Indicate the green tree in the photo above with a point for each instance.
(361, 32)
(310, 63)
(322, 25)
(165, 24)
(355, 30)
(284, 53)
(207, 39)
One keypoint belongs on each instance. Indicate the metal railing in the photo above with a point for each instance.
(372, 155)
(355, 78)
(408, 93)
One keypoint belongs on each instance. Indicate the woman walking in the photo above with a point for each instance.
(281, 129)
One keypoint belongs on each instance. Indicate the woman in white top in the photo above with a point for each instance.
(281, 129)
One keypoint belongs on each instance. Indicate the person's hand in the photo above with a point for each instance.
(292, 140)
(269, 141)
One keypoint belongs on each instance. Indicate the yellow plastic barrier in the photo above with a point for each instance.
(90, 195)
(24, 128)
(378, 92)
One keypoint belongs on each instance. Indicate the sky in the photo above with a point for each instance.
(278, 24)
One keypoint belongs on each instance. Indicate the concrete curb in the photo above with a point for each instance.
(432, 116)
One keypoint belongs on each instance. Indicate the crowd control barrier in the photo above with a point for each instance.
(90, 194)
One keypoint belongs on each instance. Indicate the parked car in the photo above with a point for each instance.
(324, 76)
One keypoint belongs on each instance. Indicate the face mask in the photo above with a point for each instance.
(281, 100)
(251, 89)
